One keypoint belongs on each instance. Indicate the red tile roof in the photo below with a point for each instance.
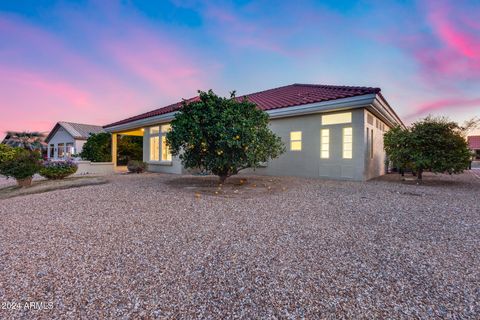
(473, 142)
(282, 97)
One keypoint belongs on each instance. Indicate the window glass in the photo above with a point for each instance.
(52, 151)
(61, 150)
(154, 130)
(166, 128)
(166, 155)
(347, 143)
(325, 144)
(337, 118)
(296, 140)
(69, 151)
(371, 145)
(154, 148)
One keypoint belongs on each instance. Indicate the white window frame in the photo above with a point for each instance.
(347, 146)
(159, 137)
(295, 141)
(324, 143)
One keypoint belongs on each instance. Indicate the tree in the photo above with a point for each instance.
(222, 135)
(26, 140)
(433, 144)
(98, 148)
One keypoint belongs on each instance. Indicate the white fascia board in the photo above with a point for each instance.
(386, 112)
(333, 105)
(167, 117)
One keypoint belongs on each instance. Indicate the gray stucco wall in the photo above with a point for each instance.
(307, 162)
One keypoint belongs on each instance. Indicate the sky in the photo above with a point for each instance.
(97, 62)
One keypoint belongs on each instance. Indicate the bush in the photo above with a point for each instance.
(22, 165)
(6, 152)
(58, 169)
(136, 166)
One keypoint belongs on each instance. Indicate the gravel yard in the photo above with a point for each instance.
(150, 246)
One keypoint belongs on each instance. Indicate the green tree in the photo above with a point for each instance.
(98, 148)
(129, 148)
(432, 144)
(222, 135)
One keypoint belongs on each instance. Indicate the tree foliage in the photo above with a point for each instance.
(98, 148)
(432, 144)
(222, 135)
(26, 140)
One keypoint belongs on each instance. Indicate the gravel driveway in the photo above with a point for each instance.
(144, 247)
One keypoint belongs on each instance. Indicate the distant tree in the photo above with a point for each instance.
(98, 148)
(222, 135)
(432, 144)
(25, 140)
(129, 148)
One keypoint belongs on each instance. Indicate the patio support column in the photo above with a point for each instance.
(114, 149)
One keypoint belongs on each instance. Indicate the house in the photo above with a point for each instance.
(474, 145)
(334, 132)
(67, 139)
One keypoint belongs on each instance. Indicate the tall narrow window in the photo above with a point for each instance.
(296, 141)
(69, 150)
(347, 143)
(154, 144)
(166, 155)
(52, 151)
(371, 145)
(325, 144)
(61, 150)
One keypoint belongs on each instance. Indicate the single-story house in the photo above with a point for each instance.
(334, 132)
(67, 139)
(474, 145)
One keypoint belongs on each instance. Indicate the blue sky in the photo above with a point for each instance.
(100, 61)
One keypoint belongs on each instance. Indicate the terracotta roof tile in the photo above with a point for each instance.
(282, 97)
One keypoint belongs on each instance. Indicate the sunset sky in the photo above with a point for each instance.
(97, 62)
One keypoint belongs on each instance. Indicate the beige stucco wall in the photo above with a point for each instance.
(95, 168)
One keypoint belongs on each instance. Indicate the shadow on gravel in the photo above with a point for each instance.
(238, 186)
(464, 180)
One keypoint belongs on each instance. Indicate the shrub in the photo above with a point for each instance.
(6, 152)
(21, 166)
(136, 166)
(58, 169)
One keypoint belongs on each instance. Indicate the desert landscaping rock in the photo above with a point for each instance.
(155, 246)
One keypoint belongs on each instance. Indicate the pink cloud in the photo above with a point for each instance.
(443, 104)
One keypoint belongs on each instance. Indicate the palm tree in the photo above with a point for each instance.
(26, 140)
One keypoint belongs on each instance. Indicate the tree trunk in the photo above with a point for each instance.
(419, 174)
(222, 178)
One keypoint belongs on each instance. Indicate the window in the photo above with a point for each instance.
(158, 143)
(166, 155)
(347, 143)
(154, 144)
(52, 151)
(325, 144)
(296, 141)
(61, 150)
(70, 150)
(371, 145)
(337, 118)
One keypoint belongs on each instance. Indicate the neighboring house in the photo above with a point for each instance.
(330, 131)
(67, 139)
(474, 145)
